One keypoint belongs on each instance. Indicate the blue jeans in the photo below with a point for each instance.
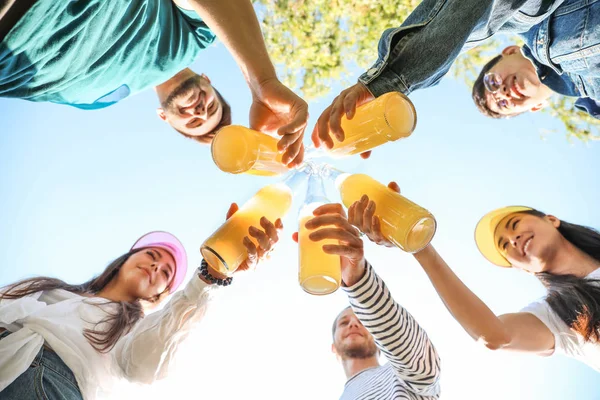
(47, 378)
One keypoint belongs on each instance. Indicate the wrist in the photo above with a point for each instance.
(426, 252)
(355, 274)
(365, 92)
(210, 276)
(257, 82)
(427, 258)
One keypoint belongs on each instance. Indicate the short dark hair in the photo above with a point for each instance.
(479, 92)
(225, 120)
(334, 327)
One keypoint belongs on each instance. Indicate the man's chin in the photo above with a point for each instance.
(357, 350)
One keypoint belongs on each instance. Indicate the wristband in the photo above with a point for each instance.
(206, 275)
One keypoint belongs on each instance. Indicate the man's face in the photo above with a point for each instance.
(190, 104)
(351, 338)
(517, 86)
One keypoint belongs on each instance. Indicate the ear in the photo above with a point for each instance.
(334, 351)
(161, 114)
(539, 106)
(205, 77)
(553, 220)
(510, 50)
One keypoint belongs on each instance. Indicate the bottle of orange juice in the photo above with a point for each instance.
(319, 273)
(387, 118)
(224, 250)
(404, 223)
(237, 149)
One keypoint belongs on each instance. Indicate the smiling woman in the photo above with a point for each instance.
(565, 257)
(76, 341)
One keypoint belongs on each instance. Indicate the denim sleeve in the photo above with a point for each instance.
(419, 53)
(589, 106)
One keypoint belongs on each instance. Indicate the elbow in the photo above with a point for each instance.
(496, 342)
(140, 376)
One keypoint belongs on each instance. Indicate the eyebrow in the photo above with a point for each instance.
(156, 253)
(159, 256)
(508, 222)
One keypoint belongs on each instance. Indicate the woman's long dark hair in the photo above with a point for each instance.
(575, 300)
(120, 322)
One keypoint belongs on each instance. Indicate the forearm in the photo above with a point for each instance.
(468, 310)
(398, 335)
(236, 25)
(420, 52)
(145, 353)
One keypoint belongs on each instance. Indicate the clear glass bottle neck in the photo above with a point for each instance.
(295, 178)
(315, 193)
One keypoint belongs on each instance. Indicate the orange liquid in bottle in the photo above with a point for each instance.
(224, 250)
(319, 273)
(388, 118)
(236, 149)
(404, 223)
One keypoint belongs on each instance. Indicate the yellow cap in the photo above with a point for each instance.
(485, 230)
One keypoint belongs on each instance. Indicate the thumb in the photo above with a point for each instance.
(365, 155)
(295, 237)
(394, 186)
(233, 208)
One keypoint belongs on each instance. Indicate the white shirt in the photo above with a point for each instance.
(59, 318)
(567, 341)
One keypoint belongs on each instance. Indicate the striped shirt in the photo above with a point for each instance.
(413, 371)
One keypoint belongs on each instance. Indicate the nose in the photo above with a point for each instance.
(201, 111)
(503, 92)
(514, 240)
(354, 322)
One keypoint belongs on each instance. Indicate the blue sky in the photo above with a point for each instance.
(78, 187)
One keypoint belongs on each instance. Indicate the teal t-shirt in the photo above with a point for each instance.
(92, 53)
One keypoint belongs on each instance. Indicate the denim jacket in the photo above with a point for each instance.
(420, 52)
(566, 52)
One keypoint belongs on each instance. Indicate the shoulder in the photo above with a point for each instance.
(542, 310)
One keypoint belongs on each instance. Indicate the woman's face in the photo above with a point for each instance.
(528, 242)
(147, 273)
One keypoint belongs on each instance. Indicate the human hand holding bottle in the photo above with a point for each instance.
(361, 214)
(266, 238)
(330, 222)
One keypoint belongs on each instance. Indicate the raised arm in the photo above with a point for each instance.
(398, 335)
(418, 54)
(275, 109)
(519, 331)
(146, 353)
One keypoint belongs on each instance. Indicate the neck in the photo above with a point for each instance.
(570, 260)
(547, 91)
(112, 292)
(353, 366)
